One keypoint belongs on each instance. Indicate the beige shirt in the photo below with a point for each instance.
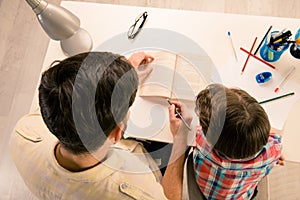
(127, 172)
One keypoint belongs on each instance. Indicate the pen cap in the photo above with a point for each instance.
(272, 52)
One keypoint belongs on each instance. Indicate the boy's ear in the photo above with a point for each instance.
(116, 134)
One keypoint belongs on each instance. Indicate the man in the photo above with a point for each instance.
(84, 102)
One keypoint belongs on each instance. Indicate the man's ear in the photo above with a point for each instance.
(116, 134)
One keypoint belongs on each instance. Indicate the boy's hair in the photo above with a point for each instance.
(232, 121)
(84, 97)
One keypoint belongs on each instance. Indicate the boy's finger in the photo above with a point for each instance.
(176, 103)
(172, 115)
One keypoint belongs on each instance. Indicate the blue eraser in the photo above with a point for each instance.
(263, 77)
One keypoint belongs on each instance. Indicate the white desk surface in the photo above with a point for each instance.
(209, 31)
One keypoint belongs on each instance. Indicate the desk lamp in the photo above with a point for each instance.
(60, 24)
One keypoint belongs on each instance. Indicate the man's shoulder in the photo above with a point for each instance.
(31, 137)
(128, 145)
(31, 127)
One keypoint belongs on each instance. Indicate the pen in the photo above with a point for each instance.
(282, 36)
(279, 33)
(275, 98)
(178, 113)
(232, 45)
(262, 40)
(284, 79)
(248, 56)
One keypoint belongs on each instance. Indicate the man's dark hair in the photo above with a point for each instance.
(237, 125)
(84, 97)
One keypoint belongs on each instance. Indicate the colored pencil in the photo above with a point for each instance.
(232, 45)
(248, 56)
(261, 60)
(275, 98)
(284, 79)
(262, 40)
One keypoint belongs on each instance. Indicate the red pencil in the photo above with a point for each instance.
(258, 58)
(248, 56)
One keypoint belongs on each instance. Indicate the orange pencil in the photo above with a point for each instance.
(261, 60)
(248, 56)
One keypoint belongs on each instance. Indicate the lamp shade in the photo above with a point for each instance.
(57, 22)
(61, 24)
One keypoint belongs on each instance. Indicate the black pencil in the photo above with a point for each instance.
(275, 98)
(262, 40)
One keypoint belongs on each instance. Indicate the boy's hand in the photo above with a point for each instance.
(281, 160)
(177, 127)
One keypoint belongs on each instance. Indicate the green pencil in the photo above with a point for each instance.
(275, 98)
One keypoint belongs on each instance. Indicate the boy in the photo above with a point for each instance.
(234, 146)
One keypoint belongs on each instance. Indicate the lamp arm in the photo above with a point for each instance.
(37, 5)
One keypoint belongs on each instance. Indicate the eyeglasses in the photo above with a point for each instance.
(137, 26)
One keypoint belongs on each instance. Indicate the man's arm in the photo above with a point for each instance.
(173, 177)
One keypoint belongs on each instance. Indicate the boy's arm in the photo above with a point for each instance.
(281, 160)
(173, 177)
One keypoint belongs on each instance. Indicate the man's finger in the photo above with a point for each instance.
(144, 72)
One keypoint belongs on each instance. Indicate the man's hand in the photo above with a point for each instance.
(140, 58)
(140, 62)
(177, 127)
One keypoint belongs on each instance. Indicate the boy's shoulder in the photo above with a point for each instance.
(268, 155)
(274, 137)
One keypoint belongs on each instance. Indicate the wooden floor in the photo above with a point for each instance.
(23, 45)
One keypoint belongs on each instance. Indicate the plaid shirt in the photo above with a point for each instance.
(221, 178)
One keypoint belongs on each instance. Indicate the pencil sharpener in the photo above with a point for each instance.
(263, 77)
